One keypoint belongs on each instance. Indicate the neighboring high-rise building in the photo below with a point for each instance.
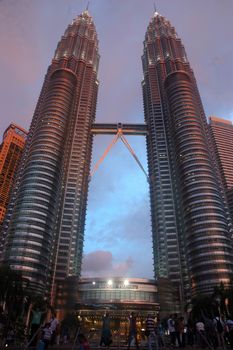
(44, 239)
(222, 131)
(11, 150)
(191, 237)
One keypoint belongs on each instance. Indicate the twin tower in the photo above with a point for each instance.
(191, 229)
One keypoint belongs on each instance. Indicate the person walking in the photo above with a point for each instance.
(200, 332)
(219, 329)
(171, 329)
(132, 330)
(46, 337)
(190, 332)
(84, 345)
(53, 327)
(152, 336)
(106, 334)
(159, 331)
(229, 324)
(177, 329)
(35, 324)
(180, 332)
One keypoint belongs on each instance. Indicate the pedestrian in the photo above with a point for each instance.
(133, 330)
(53, 326)
(46, 337)
(210, 332)
(10, 336)
(65, 335)
(177, 330)
(180, 332)
(152, 336)
(58, 334)
(35, 324)
(84, 345)
(200, 332)
(229, 324)
(106, 334)
(171, 329)
(190, 332)
(219, 326)
(159, 330)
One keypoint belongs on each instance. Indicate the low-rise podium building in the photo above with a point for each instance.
(119, 297)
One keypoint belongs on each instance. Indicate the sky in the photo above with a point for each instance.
(118, 228)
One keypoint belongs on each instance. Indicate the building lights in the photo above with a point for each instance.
(126, 283)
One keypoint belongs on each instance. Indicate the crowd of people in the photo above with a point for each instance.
(40, 334)
(149, 333)
(215, 333)
(204, 332)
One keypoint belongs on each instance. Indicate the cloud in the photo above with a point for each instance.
(101, 263)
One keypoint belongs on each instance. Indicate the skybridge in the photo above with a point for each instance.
(112, 129)
(119, 131)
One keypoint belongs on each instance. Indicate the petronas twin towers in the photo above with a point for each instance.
(190, 225)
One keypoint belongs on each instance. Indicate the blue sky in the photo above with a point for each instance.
(118, 228)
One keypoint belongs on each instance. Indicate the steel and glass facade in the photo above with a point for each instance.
(118, 290)
(192, 243)
(45, 234)
(11, 150)
(166, 248)
(118, 297)
(190, 227)
(230, 201)
(222, 132)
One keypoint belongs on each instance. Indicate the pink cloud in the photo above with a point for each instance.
(101, 263)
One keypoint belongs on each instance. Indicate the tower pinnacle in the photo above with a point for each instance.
(155, 9)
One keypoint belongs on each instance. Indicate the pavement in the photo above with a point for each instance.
(113, 347)
(120, 345)
(94, 347)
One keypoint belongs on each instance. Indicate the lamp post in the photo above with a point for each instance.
(189, 310)
(226, 301)
(218, 302)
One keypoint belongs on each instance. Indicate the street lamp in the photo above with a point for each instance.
(226, 305)
(218, 302)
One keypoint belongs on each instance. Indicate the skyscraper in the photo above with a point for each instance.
(11, 150)
(230, 201)
(190, 227)
(45, 234)
(191, 237)
(222, 132)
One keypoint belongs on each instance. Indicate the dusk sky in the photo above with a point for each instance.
(118, 227)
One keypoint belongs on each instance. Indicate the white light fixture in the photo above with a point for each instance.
(109, 282)
(126, 282)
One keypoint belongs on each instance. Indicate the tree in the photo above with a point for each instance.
(201, 307)
(208, 306)
(12, 291)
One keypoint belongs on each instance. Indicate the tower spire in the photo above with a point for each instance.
(155, 9)
(87, 7)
